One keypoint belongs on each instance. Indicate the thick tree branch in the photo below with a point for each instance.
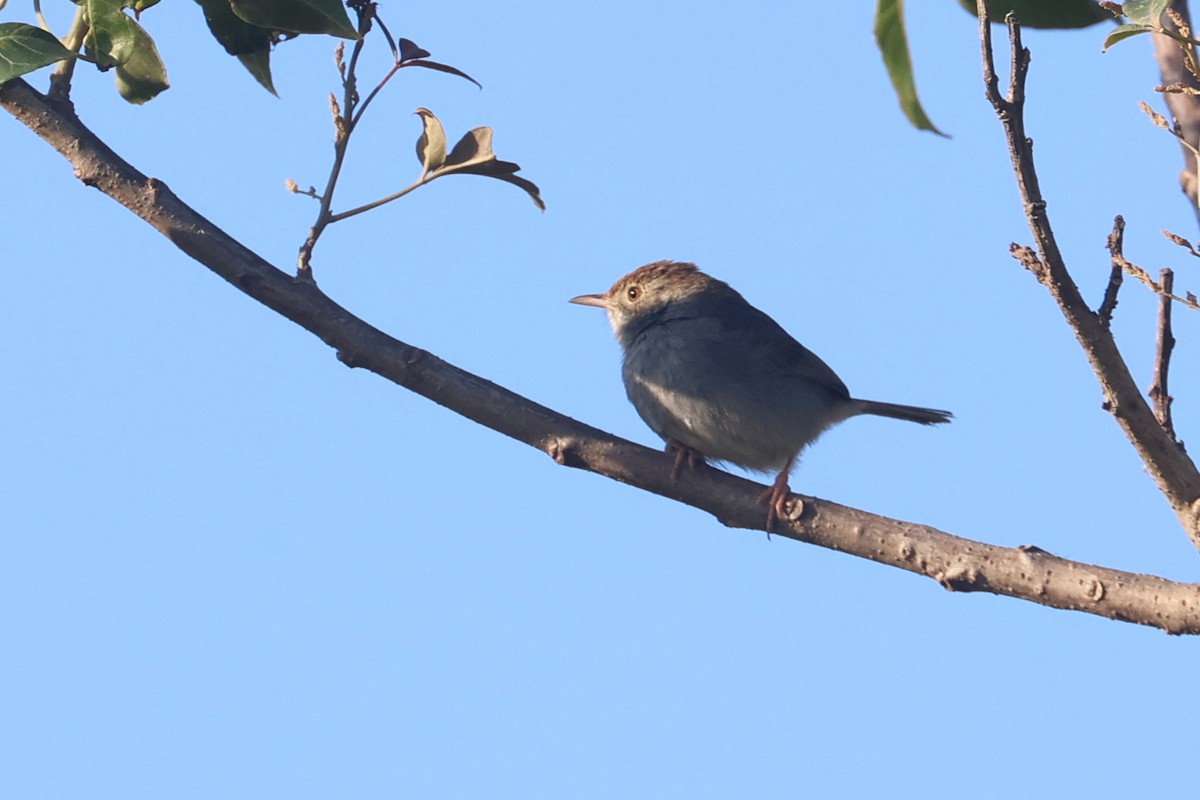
(957, 564)
(1175, 473)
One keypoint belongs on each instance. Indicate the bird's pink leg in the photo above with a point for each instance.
(683, 453)
(776, 496)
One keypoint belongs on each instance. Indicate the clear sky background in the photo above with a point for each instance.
(232, 567)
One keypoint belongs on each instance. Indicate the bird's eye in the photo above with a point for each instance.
(633, 293)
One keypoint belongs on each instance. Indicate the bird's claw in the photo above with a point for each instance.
(683, 453)
(776, 498)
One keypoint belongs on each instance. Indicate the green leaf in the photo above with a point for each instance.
(297, 16)
(115, 40)
(1145, 12)
(24, 48)
(138, 6)
(473, 156)
(1124, 32)
(143, 75)
(110, 38)
(250, 43)
(893, 45)
(431, 146)
(1044, 13)
(259, 65)
(232, 32)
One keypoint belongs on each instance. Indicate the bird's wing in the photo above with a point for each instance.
(791, 358)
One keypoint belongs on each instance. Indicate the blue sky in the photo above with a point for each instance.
(232, 567)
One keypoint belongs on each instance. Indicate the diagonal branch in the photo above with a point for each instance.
(1175, 473)
(957, 564)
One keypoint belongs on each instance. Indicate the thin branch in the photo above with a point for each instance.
(1116, 244)
(1175, 129)
(346, 117)
(1174, 473)
(60, 77)
(344, 120)
(37, 12)
(957, 564)
(357, 115)
(1164, 344)
(341, 215)
(340, 141)
(1176, 239)
(1134, 271)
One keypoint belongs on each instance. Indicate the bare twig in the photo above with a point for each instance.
(1175, 473)
(955, 563)
(1134, 271)
(1164, 344)
(1176, 239)
(1011, 110)
(344, 120)
(1173, 128)
(1116, 243)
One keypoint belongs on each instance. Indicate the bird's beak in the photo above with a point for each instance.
(596, 300)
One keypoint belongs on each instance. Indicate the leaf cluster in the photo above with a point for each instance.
(472, 155)
(105, 34)
(109, 35)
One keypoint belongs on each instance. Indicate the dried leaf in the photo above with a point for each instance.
(431, 146)
(442, 68)
(1176, 239)
(409, 50)
(473, 155)
(503, 171)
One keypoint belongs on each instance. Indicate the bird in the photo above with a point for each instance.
(719, 380)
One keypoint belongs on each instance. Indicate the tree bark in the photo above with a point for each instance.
(1183, 108)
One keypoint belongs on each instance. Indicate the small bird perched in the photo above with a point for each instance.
(718, 379)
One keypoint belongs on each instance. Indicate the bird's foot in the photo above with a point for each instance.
(683, 453)
(776, 498)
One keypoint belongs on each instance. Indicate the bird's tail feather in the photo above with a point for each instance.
(925, 416)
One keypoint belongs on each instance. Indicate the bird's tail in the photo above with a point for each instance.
(925, 416)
